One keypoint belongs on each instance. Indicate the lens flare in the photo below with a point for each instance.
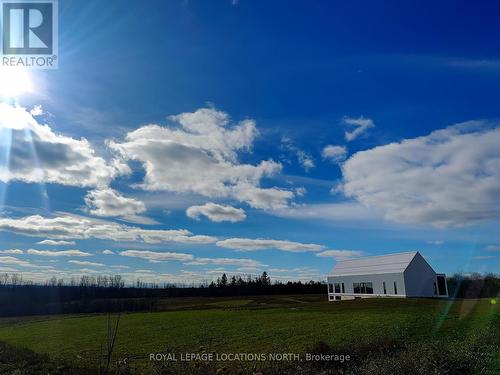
(5, 145)
(15, 82)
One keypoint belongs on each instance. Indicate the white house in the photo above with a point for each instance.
(391, 275)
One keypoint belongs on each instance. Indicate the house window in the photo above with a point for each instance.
(343, 288)
(363, 288)
(356, 288)
(337, 287)
(385, 289)
(395, 288)
(368, 288)
(330, 288)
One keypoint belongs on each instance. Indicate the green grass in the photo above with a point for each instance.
(260, 324)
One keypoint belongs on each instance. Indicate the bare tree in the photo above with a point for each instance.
(52, 281)
(16, 279)
(111, 334)
(4, 279)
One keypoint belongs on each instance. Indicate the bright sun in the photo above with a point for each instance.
(14, 82)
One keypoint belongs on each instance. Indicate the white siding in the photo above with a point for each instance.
(376, 279)
(420, 278)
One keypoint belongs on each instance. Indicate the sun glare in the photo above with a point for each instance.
(14, 82)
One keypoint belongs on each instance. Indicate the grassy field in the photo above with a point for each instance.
(376, 332)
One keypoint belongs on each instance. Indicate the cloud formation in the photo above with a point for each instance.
(436, 242)
(109, 202)
(35, 154)
(14, 260)
(334, 154)
(239, 262)
(77, 227)
(12, 251)
(337, 212)
(59, 253)
(199, 154)
(340, 254)
(450, 177)
(216, 212)
(55, 243)
(306, 161)
(85, 263)
(155, 256)
(247, 244)
(358, 125)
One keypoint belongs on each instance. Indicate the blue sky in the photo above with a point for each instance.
(189, 138)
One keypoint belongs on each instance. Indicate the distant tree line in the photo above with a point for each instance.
(474, 286)
(110, 293)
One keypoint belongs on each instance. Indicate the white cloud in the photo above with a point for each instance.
(340, 254)
(217, 271)
(297, 273)
(14, 260)
(216, 212)
(8, 269)
(88, 270)
(300, 270)
(300, 191)
(474, 64)
(344, 211)
(305, 160)
(436, 242)
(360, 126)
(85, 263)
(483, 257)
(37, 110)
(247, 244)
(157, 256)
(22, 263)
(59, 253)
(240, 262)
(109, 202)
(107, 252)
(77, 227)
(55, 243)
(335, 154)
(249, 269)
(266, 199)
(279, 270)
(38, 155)
(493, 248)
(11, 251)
(450, 177)
(200, 155)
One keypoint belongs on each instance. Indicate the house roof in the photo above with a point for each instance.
(390, 263)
